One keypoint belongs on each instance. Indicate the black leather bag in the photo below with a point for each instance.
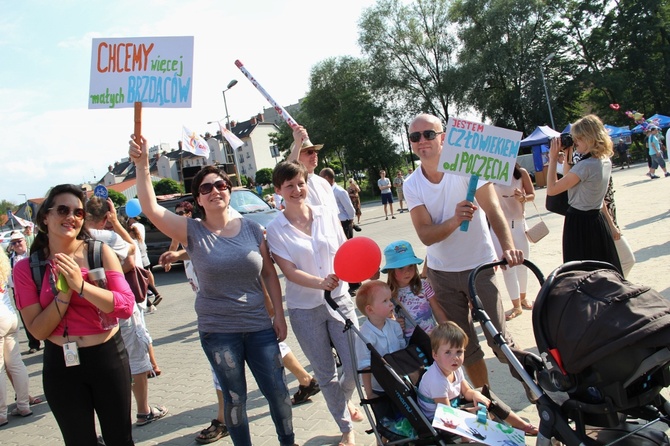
(558, 204)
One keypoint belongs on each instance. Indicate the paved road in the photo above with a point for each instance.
(185, 386)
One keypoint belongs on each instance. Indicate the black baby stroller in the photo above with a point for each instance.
(603, 356)
(396, 416)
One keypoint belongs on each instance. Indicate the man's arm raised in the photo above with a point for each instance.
(299, 135)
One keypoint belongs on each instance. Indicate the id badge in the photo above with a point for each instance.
(71, 354)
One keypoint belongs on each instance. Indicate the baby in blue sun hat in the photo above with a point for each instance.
(409, 289)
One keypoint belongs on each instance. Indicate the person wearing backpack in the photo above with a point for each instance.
(85, 369)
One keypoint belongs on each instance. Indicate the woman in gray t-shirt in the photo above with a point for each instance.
(586, 233)
(231, 257)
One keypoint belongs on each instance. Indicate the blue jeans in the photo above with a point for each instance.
(227, 353)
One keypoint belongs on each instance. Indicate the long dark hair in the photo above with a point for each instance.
(41, 242)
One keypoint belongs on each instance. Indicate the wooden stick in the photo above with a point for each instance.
(138, 122)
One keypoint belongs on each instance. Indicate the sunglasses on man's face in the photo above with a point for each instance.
(181, 212)
(429, 135)
(64, 211)
(309, 152)
(220, 185)
(15, 242)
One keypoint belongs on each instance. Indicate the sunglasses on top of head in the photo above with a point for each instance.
(64, 211)
(206, 188)
(429, 135)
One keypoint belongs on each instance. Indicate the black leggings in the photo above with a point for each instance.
(99, 385)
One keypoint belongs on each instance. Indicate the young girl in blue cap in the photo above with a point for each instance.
(409, 289)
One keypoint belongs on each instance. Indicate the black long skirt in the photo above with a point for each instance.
(587, 236)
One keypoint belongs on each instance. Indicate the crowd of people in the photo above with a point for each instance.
(96, 341)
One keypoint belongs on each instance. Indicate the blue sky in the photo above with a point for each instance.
(51, 137)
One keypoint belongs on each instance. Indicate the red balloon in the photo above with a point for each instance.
(357, 260)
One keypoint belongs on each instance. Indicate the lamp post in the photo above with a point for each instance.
(230, 85)
(546, 93)
(28, 211)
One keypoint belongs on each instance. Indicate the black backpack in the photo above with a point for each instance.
(39, 266)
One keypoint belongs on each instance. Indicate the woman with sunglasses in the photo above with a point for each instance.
(586, 233)
(232, 262)
(86, 369)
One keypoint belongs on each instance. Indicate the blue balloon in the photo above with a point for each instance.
(133, 208)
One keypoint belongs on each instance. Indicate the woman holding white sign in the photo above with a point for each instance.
(586, 234)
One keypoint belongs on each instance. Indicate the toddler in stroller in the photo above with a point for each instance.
(379, 336)
(444, 381)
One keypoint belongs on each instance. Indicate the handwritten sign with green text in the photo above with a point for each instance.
(156, 71)
(471, 148)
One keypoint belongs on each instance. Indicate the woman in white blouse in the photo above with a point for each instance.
(303, 241)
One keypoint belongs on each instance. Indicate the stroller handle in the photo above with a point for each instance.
(476, 303)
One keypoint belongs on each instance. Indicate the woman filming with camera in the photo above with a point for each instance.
(586, 234)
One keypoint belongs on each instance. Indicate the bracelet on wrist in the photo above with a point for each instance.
(64, 302)
(81, 291)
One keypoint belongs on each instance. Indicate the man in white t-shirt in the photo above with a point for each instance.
(437, 206)
(384, 185)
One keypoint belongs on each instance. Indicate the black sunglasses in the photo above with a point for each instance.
(428, 134)
(15, 242)
(180, 212)
(310, 152)
(64, 211)
(220, 185)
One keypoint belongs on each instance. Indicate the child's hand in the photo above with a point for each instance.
(401, 321)
(478, 397)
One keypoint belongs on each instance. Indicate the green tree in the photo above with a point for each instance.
(167, 186)
(412, 48)
(117, 198)
(505, 45)
(623, 57)
(342, 112)
(264, 176)
(7, 206)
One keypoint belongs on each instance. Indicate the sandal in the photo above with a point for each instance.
(216, 431)
(511, 314)
(157, 299)
(18, 413)
(35, 400)
(304, 392)
(526, 305)
(156, 413)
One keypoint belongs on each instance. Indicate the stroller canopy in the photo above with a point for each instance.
(589, 315)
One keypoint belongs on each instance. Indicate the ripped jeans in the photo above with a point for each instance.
(227, 353)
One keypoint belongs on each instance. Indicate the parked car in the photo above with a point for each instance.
(5, 236)
(245, 202)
